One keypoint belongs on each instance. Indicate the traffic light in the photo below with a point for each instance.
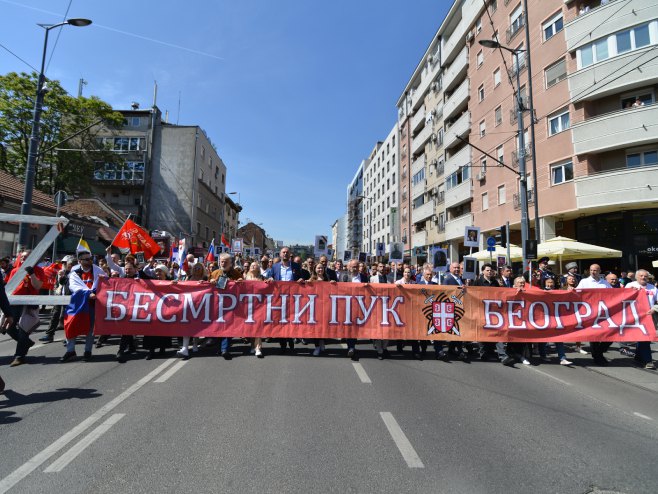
(503, 236)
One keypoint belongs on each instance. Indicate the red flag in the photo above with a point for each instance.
(51, 275)
(211, 252)
(133, 237)
(224, 241)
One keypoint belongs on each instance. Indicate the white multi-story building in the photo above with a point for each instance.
(381, 193)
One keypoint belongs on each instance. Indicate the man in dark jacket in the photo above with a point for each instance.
(487, 278)
(286, 270)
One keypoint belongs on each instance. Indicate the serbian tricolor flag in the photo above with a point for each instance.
(135, 239)
(211, 252)
(77, 318)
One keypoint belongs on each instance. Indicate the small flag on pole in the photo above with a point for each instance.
(83, 246)
(211, 252)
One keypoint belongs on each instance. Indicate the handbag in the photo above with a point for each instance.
(29, 320)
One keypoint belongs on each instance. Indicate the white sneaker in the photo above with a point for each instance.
(258, 354)
(183, 352)
(526, 362)
(565, 362)
(317, 351)
(582, 351)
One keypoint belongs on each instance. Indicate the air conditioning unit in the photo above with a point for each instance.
(433, 138)
(469, 36)
(481, 175)
(435, 86)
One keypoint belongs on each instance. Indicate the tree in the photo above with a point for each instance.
(66, 123)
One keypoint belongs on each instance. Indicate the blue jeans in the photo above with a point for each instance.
(89, 339)
(226, 345)
(559, 347)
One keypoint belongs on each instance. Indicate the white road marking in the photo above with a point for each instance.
(60, 463)
(170, 372)
(529, 367)
(343, 345)
(406, 449)
(642, 416)
(361, 372)
(40, 345)
(37, 460)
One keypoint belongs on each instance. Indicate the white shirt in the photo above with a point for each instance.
(592, 283)
(652, 291)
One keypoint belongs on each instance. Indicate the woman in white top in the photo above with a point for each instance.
(253, 274)
(197, 273)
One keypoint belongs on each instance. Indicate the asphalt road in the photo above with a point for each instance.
(297, 423)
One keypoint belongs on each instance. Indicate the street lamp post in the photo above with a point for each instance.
(523, 178)
(33, 150)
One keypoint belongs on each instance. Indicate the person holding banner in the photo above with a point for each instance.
(254, 274)
(427, 279)
(353, 276)
(198, 274)
(594, 280)
(286, 270)
(643, 348)
(319, 275)
(408, 279)
(487, 279)
(8, 319)
(84, 277)
(226, 270)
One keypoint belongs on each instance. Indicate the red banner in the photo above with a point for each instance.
(370, 311)
(133, 237)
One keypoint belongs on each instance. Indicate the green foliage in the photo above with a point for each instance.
(63, 116)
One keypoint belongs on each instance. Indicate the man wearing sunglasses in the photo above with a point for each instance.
(84, 276)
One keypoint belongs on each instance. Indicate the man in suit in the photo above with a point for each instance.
(352, 276)
(330, 274)
(426, 279)
(380, 345)
(453, 278)
(286, 270)
(506, 277)
(487, 278)
(379, 277)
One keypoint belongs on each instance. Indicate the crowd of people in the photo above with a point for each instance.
(82, 272)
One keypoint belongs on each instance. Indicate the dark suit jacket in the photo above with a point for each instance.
(502, 283)
(331, 274)
(450, 280)
(296, 271)
(481, 281)
(347, 278)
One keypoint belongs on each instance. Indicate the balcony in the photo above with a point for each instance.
(616, 130)
(625, 187)
(456, 228)
(515, 28)
(598, 80)
(428, 75)
(460, 194)
(456, 41)
(418, 120)
(515, 155)
(440, 197)
(461, 128)
(461, 158)
(419, 141)
(523, 64)
(516, 199)
(423, 212)
(600, 21)
(457, 70)
(457, 100)
(418, 164)
(419, 239)
(418, 188)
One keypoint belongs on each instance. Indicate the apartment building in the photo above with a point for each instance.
(354, 229)
(381, 193)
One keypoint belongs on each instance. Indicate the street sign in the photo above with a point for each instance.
(491, 242)
(491, 249)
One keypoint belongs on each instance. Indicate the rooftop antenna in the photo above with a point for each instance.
(81, 83)
(155, 92)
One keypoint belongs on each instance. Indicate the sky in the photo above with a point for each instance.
(294, 94)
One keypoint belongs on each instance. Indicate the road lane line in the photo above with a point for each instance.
(41, 345)
(170, 372)
(361, 372)
(642, 416)
(547, 375)
(60, 463)
(37, 460)
(406, 449)
(343, 345)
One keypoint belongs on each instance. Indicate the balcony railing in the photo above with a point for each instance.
(522, 65)
(440, 197)
(515, 28)
(515, 155)
(517, 199)
(441, 227)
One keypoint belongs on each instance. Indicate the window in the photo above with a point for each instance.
(501, 195)
(556, 72)
(478, 26)
(418, 201)
(562, 172)
(483, 165)
(485, 201)
(498, 114)
(553, 26)
(496, 77)
(132, 171)
(645, 96)
(481, 93)
(642, 158)
(483, 129)
(480, 58)
(616, 44)
(458, 177)
(558, 122)
(494, 5)
(516, 21)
